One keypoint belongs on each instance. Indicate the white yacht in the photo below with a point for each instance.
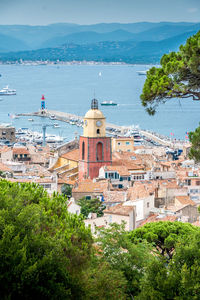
(56, 125)
(52, 117)
(54, 139)
(142, 72)
(7, 91)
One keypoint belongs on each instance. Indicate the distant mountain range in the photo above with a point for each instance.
(135, 42)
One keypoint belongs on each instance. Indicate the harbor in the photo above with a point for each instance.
(141, 135)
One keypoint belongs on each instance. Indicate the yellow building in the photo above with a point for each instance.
(66, 166)
(125, 144)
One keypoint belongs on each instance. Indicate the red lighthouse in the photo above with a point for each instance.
(95, 147)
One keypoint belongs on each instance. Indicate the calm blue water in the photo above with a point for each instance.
(70, 88)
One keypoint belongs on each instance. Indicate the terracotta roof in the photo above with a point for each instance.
(67, 181)
(72, 155)
(40, 180)
(114, 196)
(197, 223)
(90, 186)
(122, 170)
(178, 208)
(141, 190)
(157, 218)
(4, 168)
(184, 200)
(5, 149)
(119, 209)
(20, 151)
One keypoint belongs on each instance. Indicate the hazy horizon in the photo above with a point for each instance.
(87, 12)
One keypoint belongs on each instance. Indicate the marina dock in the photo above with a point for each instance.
(111, 129)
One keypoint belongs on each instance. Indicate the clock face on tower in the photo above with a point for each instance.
(98, 123)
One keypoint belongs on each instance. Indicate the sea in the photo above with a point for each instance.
(70, 88)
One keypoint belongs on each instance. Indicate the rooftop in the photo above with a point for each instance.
(72, 155)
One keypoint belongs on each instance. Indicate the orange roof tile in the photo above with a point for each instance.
(141, 190)
(90, 186)
(5, 149)
(114, 196)
(119, 209)
(184, 200)
(197, 223)
(157, 218)
(4, 168)
(72, 155)
(20, 151)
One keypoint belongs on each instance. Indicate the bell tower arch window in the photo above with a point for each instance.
(99, 151)
(83, 150)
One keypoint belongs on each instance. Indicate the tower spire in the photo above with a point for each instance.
(94, 104)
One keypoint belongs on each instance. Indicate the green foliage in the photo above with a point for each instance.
(178, 280)
(194, 138)
(66, 190)
(47, 253)
(122, 255)
(163, 235)
(108, 283)
(2, 174)
(43, 248)
(178, 76)
(91, 206)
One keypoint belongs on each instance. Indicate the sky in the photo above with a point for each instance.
(43, 12)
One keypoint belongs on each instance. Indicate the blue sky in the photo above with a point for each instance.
(42, 12)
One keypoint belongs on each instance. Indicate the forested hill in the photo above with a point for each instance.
(126, 51)
(131, 43)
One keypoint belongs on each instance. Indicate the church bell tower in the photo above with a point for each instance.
(95, 147)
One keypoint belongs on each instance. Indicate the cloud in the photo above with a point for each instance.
(192, 10)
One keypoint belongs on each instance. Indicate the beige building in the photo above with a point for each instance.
(7, 132)
(125, 144)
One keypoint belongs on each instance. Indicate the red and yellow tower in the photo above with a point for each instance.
(95, 147)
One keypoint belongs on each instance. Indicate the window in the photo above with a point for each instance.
(98, 131)
(83, 150)
(99, 151)
(118, 143)
(46, 185)
(25, 155)
(197, 182)
(111, 175)
(147, 204)
(127, 143)
(87, 197)
(188, 181)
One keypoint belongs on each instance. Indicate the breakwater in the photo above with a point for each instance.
(111, 129)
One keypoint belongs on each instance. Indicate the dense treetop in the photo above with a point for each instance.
(43, 248)
(177, 77)
(48, 253)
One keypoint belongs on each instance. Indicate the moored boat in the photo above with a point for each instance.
(142, 72)
(7, 91)
(108, 103)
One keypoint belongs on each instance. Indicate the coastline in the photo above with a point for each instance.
(74, 62)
